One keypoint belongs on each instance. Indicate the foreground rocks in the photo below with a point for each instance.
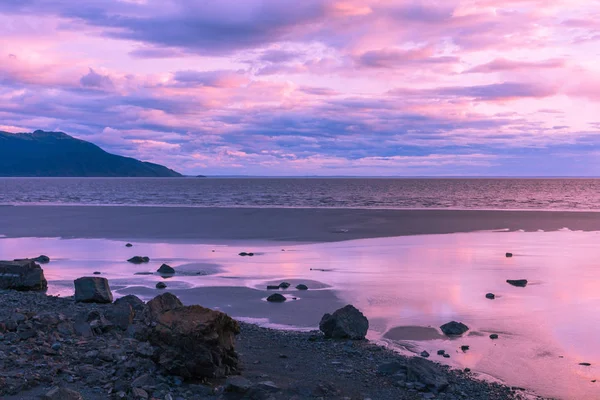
(49, 345)
(345, 323)
(22, 275)
(92, 290)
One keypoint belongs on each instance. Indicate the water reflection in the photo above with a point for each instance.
(421, 281)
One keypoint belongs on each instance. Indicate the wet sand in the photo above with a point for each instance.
(272, 224)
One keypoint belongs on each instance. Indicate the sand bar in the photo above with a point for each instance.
(295, 225)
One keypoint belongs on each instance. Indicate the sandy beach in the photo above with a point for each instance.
(407, 285)
(276, 224)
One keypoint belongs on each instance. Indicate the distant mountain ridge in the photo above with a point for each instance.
(56, 154)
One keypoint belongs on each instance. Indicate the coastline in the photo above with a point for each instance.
(299, 225)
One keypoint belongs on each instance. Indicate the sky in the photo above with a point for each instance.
(313, 87)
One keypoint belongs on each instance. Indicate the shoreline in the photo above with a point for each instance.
(300, 225)
(339, 368)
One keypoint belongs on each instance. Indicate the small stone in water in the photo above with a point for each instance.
(424, 354)
(446, 355)
(493, 336)
(509, 255)
(441, 352)
(490, 296)
(464, 348)
(161, 285)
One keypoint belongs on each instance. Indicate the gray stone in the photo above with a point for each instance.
(345, 323)
(454, 328)
(424, 354)
(165, 270)
(135, 302)
(164, 302)
(92, 290)
(276, 298)
(517, 282)
(23, 275)
(301, 287)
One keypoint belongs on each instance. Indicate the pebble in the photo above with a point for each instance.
(464, 348)
(493, 336)
(490, 296)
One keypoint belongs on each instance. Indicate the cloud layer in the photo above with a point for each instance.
(330, 87)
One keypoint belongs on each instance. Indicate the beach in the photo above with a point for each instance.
(395, 266)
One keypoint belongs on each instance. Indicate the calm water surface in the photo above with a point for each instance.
(530, 194)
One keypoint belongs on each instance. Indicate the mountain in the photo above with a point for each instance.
(58, 154)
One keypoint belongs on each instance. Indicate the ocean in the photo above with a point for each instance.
(362, 193)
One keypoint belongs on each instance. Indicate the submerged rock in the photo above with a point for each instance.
(454, 328)
(161, 285)
(139, 260)
(493, 336)
(424, 354)
(272, 287)
(346, 323)
(128, 245)
(166, 270)
(517, 282)
(509, 255)
(22, 275)
(490, 296)
(301, 287)
(276, 298)
(284, 285)
(92, 290)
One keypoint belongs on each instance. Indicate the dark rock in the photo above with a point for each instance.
(139, 393)
(135, 302)
(92, 290)
(429, 374)
(237, 384)
(83, 328)
(272, 287)
(97, 273)
(206, 334)
(250, 254)
(490, 296)
(163, 303)
(243, 254)
(166, 270)
(22, 275)
(517, 282)
(446, 355)
(276, 298)
(161, 285)
(424, 354)
(284, 285)
(128, 245)
(301, 287)
(144, 273)
(441, 352)
(464, 348)
(139, 260)
(391, 368)
(509, 255)
(345, 323)
(585, 364)
(120, 314)
(454, 328)
(57, 393)
(42, 259)
(493, 336)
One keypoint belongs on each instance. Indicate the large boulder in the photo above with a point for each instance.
(166, 270)
(162, 303)
(22, 275)
(194, 342)
(92, 290)
(345, 323)
(454, 328)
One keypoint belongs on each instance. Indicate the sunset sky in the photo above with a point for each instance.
(312, 87)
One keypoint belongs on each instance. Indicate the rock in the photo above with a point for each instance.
(135, 302)
(267, 386)
(493, 336)
(97, 273)
(139, 260)
(272, 287)
(490, 296)
(424, 354)
(517, 282)
(301, 287)
(120, 314)
(284, 285)
(166, 270)
(441, 352)
(454, 328)
(206, 334)
(585, 364)
(143, 381)
(345, 323)
(509, 255)
(164, 302)
(464, 348)
(243, 254)
(390, 368)
(139, 393)
(427, 373)
(161, 285)
(42, 259)
(57, 393)
(250, 254)
(92, 290)
(446, 355)
(237, 384)
(22, 275)
(128, 245)
(276, 298)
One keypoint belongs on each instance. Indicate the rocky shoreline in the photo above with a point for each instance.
(50, 345)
